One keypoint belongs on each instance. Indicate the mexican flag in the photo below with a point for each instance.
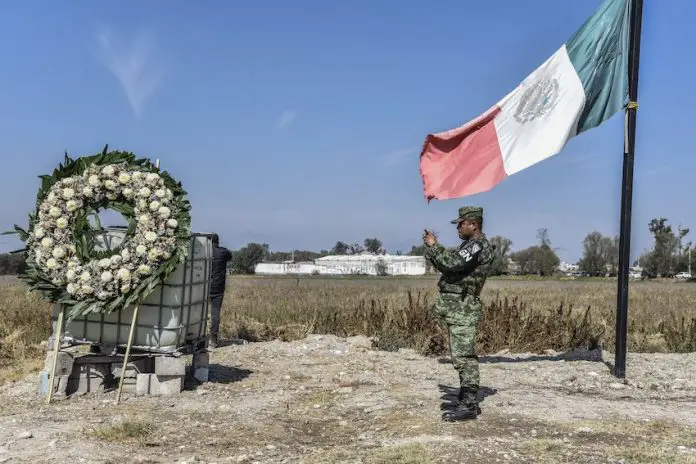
(580, 86)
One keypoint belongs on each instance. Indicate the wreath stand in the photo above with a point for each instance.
(171, 368)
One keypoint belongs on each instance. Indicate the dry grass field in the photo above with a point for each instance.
(522, 315)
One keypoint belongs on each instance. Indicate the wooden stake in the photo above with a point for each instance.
(56, 347)
(128, 347)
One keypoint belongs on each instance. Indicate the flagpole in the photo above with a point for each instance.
(627, 189)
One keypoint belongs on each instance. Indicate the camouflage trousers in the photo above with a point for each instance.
(462, 314)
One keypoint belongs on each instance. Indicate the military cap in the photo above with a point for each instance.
(468, 212)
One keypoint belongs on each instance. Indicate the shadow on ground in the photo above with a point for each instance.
(575, 355)
(450, 395)
(226, 374)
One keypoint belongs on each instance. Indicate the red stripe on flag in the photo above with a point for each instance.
(462, 161)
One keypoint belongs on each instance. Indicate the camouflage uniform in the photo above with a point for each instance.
(458, 304)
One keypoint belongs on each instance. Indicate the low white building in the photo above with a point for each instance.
(286, 268)
(370, 264)
(364, 263)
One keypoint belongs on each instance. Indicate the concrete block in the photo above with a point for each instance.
(152, 384)
(88, 378)
(201, 374)
(64, 366)
(201, 359)
(60, 384)
(140, 366)
(167, 366)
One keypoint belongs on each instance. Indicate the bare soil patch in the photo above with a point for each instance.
(327, 399)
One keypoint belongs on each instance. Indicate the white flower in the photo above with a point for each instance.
(68, 193)
(166, 255)
(72, 248)
(125, 254)
(144, 219)
(47, 242)
(160, 193)
(169, 195)
(72, 205)
(125, 288)
(58, 252)
(71, 274)
(144, 269)
(94, 181)
(38, 255)
(62, 223)
(124, 178)
(152, 177)
(172, 223)
(52, 197)
(128, 192)
(51, 263)
(142, 204)
(111, 195)
(164, 212)
(140, 250)
(115, 260)
(85, 276)
(110, 185)
(71, 289)
(86, 289)
(69, 181)
(144, 192)
(73, 263)
(55, 212)
(150, 236)
(153, 254)
(154, 206)
(103, 295)
(108, 171)
(123, 274)
(137, 175)
(104, 263)
(39, 232)
(87, 191)
(106, 276)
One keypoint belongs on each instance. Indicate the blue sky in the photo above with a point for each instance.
(299, 123)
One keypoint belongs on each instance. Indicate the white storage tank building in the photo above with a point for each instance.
(371, 264)
(286, 268)
(364, 263)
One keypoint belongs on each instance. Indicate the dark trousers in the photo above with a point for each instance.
(216, 304)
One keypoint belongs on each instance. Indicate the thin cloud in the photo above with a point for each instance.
(134, 65)
(396, 157)
(286, 118)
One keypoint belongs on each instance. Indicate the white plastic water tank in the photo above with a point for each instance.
(173, 316)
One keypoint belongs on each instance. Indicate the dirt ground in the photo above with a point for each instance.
(325, 399)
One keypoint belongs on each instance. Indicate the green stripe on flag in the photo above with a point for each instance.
(599, 54)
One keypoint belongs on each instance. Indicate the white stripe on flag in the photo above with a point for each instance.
(539, 117)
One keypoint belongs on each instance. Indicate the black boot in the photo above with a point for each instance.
(463, 412)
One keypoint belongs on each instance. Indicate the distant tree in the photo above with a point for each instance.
(12, 263)
(664, 258)
(340, 248)
(245, 259)
(381, 267)
(374, 245)
(501, 255)
(594, 257)
(355, 249)
(540, 259)
(418, 250)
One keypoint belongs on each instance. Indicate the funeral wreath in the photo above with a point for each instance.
(62, 260)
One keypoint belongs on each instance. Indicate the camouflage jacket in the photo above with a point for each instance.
(463, 270)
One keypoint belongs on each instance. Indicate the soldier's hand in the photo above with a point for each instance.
(429, 238)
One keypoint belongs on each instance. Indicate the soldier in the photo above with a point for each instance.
(458, 304)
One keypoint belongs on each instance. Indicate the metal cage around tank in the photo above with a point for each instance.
(173, 318)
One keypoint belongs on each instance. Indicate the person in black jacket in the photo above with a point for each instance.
(221, 256)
